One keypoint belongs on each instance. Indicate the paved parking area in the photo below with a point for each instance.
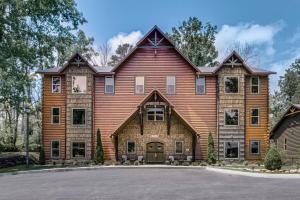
(144, 184)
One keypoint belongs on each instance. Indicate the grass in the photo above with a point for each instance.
(31, 167)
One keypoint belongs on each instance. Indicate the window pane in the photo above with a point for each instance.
(231, 150)
(109, 84)
(56, 80)
(200, 85)
(55, 144)
(56, 88)
(254, 80)
(231, 117)
(56, 84)
(78, 149)
(78, 116)
(171, 84)
(139, 84)
(55, 148)
(55, 111)
(179, 147)
(131, 147)
(55, 119)
(155, 114)
(231, 85)
(79, 84)
(254, 147)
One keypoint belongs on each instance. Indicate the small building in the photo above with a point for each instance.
(286, 133)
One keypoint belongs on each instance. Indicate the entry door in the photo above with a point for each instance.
(155, 152)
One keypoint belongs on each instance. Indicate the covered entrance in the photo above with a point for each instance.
(155, 152)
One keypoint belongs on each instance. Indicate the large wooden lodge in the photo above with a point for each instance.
(155, 104)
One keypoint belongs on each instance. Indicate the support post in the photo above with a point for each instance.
(169, 114)
(116, 146)
(141, 120)
(194, 147)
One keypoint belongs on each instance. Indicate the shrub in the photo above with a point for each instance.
(8, 148)
(126, 162)
(34, 147)
(273, 159)
(99, 155)
(211, 154)
(176, 162)
(42, 159)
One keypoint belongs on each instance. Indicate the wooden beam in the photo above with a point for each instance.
(194, 147)
(141, 120)
(169, 114)
(116, 147)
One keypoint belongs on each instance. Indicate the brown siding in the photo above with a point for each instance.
(259, 132)
(51, 131)
(198, 110)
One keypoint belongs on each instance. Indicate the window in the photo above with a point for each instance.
(231, 150)
(109, 84)
(254, 147)
(55, 115)
(231, 84)
(155, 114)
(78, 84)
(255, 85)
(130, 147)
(179, 147)
(254, 115)
(78, 116)
(171, 84)
(56, 84)
(285, 144)
(200, 85)
(232, 117)
(78, 149)
(55, 149)
(139, 85)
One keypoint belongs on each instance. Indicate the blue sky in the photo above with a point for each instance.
(272, 27)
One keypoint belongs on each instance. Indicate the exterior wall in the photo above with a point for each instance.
(53, 131)
(237, 100)
(257, 132)
(80, 133)
(155, 132)
(198, 110)
(289, 129)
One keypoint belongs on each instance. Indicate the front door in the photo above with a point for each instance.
(155, 152)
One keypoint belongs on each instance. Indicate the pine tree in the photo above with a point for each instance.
(99, 155)
(211, 154)
(273, 159)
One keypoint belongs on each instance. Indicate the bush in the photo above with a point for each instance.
(34, 147)
(99, 155)
(211, 154)
(126, 162)
(273, 159)
(8, 148)
(42, 159)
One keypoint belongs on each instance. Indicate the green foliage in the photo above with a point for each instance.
(211, 153)
(121, 52)
(273, 159)
(42, 159)
(196, 41)
(8, 148)
(99, 155)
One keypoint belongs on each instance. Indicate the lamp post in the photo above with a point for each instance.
(27, 111)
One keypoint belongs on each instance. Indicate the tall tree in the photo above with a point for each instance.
(196, 41)
(247, 52)
(121, 52)
(104, 51)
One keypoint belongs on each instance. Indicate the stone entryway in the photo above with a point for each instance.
(155, 152)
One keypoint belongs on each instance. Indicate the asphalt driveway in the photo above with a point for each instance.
(141, 183)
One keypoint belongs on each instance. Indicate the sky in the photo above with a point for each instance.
(271, 27)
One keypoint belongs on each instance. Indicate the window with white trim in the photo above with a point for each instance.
(78, 116)
(109, 85)
(254, 147)
(179, 147)
(171, 84)
(130, 147)
(200, 85)
(231, 117)
(56, 84)
(254, 116)
(255, 85)
(55, 149)
(55, 113)
(231, 84)
(285, 144)
(79, 84)
(78, 149)
(231, 150)
(139, 84)
(155, 114)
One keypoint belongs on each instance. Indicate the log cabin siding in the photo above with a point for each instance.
(53, 131)
(112, 109)
(257, 132)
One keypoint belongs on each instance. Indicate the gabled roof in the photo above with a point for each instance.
(139, 43)
(142, 103)
(292, 110)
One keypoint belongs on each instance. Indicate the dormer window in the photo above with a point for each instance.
(56, 84)
(255, 85)
(79, 84)
(155, 114)
(109, 85)
(231, 84)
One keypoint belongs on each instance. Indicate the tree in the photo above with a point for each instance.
(211, 153)
(246, 51)
(99, 155)
(121, 52)
(196, 41)
(104, 51)
(273, 159)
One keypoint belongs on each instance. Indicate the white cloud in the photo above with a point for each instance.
(122, 38)
(254, 34)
